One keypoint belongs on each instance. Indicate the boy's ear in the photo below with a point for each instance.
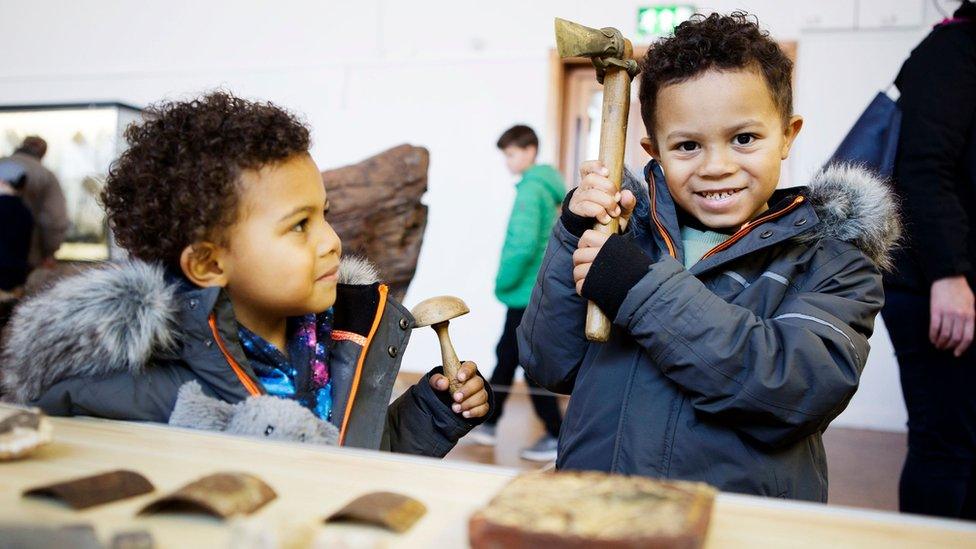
(649, 146)
(792, 129)
(202, 264)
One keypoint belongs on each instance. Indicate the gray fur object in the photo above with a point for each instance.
(357, 270)
(262, 416)
(107, 319)
(858, 207)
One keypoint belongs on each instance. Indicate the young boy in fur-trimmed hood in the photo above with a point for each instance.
(741, 312)
(237, 285)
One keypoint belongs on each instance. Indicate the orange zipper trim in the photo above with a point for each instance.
(657, 222)
(359, 364)
(749, 226)
(241, 375)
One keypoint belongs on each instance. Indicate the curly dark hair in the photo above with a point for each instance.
(716, 41)
(178, 182)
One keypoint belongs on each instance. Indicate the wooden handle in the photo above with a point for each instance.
(451, 363)
(613, 133)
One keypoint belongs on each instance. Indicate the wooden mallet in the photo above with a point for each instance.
(611, 55)
(437, 312)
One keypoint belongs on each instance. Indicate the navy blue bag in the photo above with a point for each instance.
(873, 140)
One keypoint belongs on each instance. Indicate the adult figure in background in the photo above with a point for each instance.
(930, 305)
(16, 226)
(43, 195)
(538, 195)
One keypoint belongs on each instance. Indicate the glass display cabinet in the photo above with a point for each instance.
(82, 139)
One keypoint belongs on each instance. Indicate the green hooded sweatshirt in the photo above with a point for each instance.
(537, 200)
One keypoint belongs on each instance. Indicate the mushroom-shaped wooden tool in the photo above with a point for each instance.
(437, 312)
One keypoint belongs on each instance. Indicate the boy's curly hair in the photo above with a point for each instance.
(723, 42)
(178, 181)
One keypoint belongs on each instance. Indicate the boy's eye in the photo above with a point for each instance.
(687, 146)
(301, 226)
(744, 139)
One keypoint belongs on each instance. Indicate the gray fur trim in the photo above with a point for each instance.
(855, 206)
(357, 270)
(101, 320)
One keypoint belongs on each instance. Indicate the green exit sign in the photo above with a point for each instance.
(655, 21)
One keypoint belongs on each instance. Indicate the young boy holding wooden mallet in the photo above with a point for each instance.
(741, 312)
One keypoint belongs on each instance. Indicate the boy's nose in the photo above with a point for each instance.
(716, 164)
(328, 242)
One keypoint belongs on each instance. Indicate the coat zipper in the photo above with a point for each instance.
(657, 222)
(383, 290)
(749, 226)
(241, 374)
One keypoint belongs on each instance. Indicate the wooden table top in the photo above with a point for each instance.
(312, 482)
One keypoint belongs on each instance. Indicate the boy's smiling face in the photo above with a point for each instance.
(282, 257)
(721, 141)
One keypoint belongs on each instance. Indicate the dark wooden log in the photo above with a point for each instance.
(376, 209)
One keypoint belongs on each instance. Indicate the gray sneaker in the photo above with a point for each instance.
(544, 449)
(484, 435)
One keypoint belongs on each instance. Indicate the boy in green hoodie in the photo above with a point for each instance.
(538, 196)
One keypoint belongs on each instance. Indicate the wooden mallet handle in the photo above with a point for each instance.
(451, 363)
(613, 133)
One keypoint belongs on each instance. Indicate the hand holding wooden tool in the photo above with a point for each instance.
(437, 312)
(611, 55)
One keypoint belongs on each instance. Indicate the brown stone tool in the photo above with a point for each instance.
(611, 55)
(396, 512)
(85, 492)
(222, 495)
(437, 312)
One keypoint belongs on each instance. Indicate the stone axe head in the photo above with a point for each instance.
(605, 47)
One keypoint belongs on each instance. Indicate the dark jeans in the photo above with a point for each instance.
(545, 404)
(939, 477)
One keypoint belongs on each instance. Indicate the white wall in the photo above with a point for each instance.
(448, 75)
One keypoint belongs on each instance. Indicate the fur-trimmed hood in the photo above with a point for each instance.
(852, 203)
(105, 320)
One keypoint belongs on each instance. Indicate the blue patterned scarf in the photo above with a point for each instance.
(303, 375)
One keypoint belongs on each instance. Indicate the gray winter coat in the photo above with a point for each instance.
(728, 372)
(119, 342)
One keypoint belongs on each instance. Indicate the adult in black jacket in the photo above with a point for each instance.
(930, 305)
(16, 227)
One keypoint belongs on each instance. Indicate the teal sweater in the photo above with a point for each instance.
(537, 200)
(697, 243)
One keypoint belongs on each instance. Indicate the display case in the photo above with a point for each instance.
(82, 140)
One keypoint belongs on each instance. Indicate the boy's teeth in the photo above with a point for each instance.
(718, 196)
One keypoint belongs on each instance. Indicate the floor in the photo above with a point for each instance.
(864, 465)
